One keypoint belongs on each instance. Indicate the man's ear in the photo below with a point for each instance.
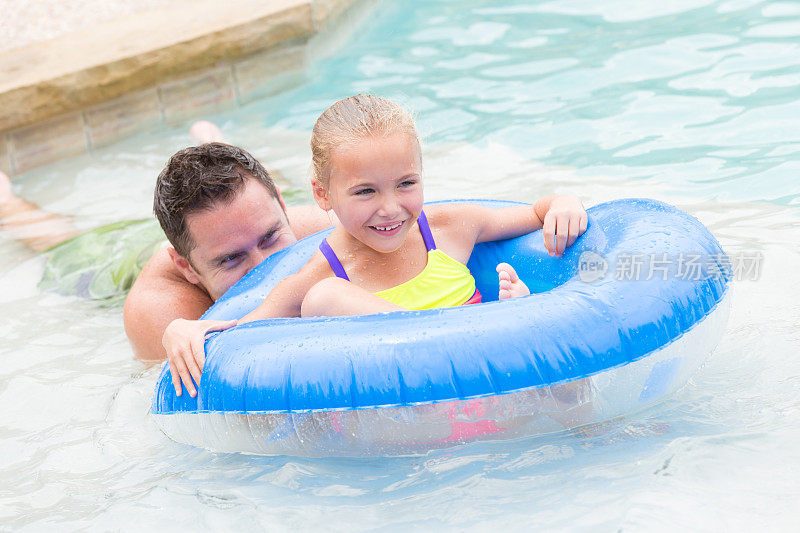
(183, 266)
(320, 195)
(280, 198)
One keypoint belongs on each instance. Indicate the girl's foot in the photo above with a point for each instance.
(206, 132)
(510, 284)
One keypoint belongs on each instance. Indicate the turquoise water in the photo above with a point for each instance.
(696, 103)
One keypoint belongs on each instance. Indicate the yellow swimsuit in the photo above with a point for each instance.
(444, 282)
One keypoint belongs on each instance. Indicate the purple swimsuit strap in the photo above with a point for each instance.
(336, 265)
(333, 261)
(425, 230)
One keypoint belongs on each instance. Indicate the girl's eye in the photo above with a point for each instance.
(363, 192)
(408, 183)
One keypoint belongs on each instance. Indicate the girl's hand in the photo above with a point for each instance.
(564, 222)
(184, 342)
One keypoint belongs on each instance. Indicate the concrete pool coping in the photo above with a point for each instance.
(86, 89)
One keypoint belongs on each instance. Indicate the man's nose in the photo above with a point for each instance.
(256, 257)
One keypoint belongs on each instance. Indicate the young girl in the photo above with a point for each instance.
(385, 253)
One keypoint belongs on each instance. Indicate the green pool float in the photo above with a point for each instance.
(102, 263)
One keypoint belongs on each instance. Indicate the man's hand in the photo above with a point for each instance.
(564, 221)
(184, 342)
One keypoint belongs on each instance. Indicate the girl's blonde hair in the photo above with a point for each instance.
(351, 120)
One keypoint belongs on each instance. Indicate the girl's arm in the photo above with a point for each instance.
(286, 298)
(184, 340)
(562, 218)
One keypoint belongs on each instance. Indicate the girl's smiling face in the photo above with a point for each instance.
(375, 189)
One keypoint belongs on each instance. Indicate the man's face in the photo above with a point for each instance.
(233, 237)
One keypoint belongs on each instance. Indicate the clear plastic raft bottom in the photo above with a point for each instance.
(418, 428)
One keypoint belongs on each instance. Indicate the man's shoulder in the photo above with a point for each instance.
(159, 295)
(307, 219)
(161, 270)
(160, 282)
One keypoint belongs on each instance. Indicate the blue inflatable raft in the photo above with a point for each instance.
(618, 323)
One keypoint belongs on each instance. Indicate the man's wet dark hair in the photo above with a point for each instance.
(197, 178)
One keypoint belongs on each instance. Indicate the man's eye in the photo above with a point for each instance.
(267, 238)
(231, 259)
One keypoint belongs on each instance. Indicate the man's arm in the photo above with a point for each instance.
(159, 296)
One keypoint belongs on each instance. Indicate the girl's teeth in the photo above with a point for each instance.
(388, 228)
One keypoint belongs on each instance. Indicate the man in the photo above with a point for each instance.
(223, 215)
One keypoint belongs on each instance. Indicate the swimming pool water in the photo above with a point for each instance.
(693, 102)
